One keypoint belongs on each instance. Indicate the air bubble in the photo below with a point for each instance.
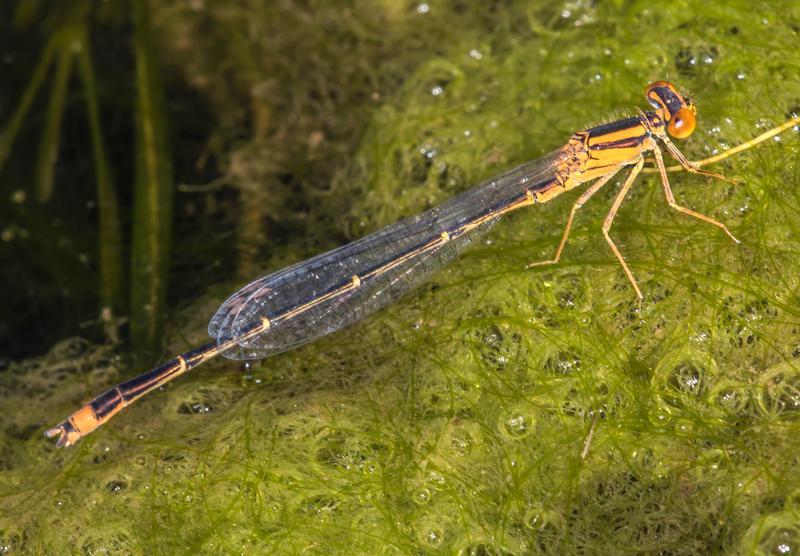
(516, 425)
(562, 363)
(433, 537)
(775, 534)
(436, 480)
(422, 496)
(779, 390)
(116, 486)
(461, 442)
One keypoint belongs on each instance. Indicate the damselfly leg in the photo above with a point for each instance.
(671, 198)
(582, 200)
(662, 169)
(626, 187)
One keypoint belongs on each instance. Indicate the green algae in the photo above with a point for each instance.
(496, 410)
(151, 244)
(68, 40)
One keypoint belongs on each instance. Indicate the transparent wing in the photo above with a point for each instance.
(330, 291)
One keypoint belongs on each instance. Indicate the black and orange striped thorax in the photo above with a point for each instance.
(595, 152)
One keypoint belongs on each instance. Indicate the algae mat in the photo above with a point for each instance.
(496, 410)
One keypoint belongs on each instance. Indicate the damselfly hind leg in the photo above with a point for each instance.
(671, 198)
(582, 200)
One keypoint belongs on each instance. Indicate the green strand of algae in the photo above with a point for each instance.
(153, 195)
(109, 241)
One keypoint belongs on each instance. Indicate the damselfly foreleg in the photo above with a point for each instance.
(671, 198)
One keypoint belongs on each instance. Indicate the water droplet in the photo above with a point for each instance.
(428, 152)
(116, 486)
(422, 496)
(436, 480)
(461, 442)
(433, 537)
(562, 363)
(516, 425)
(780, 541)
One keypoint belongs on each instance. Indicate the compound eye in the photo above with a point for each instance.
(682, 124)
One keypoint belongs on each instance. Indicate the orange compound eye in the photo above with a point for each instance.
(682, 124)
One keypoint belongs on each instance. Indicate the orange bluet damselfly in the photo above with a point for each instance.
(330, 291)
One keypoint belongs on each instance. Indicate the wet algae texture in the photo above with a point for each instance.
(496, 410)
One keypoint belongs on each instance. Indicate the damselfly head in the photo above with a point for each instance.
(678, 112)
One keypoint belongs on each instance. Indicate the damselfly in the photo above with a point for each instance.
(335, 289)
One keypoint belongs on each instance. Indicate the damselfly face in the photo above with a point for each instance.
(677, 111)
